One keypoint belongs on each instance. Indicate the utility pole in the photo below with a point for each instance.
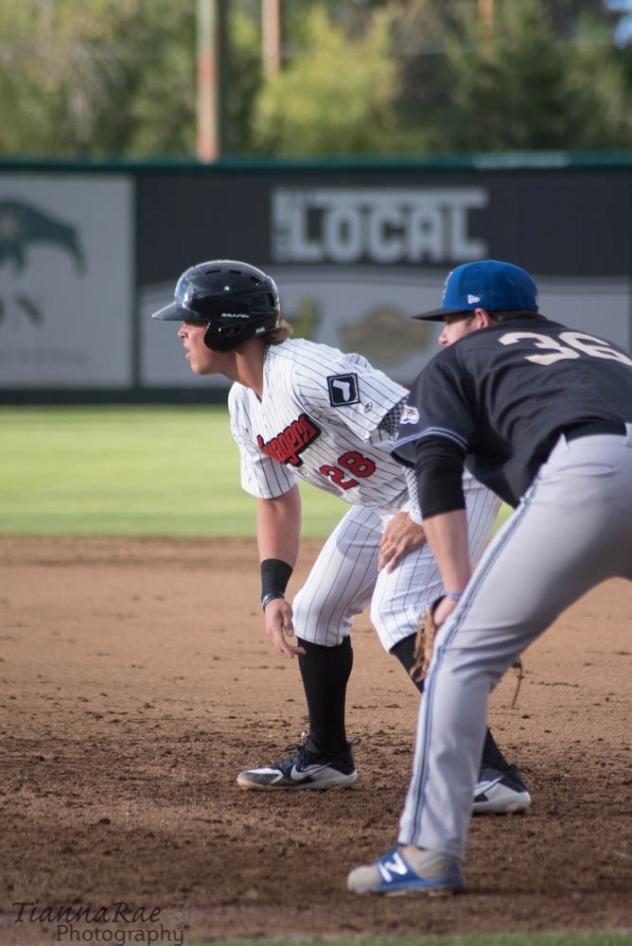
(271, 37)
(486, 16)
(211, 78)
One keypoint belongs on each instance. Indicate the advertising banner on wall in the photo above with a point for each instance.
(66, 280)
(356, 254)
(87, 255)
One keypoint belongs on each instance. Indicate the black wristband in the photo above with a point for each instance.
(265, 601)
(275, 575)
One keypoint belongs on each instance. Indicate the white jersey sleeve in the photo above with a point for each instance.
(349, 391)
(260, 475)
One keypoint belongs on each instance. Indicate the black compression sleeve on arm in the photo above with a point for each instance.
(275, 575)
(439, 471)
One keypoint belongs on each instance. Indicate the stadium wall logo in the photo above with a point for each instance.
(377, 225)
(21, 225)
(67, 289)
(25, 307)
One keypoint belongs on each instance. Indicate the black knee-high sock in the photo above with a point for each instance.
(492, 756)
(325, 671)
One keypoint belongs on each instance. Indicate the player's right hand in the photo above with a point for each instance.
(401, 536)
(279, 625)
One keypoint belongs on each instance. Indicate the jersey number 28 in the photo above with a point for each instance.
(352, 461)
(579, 342)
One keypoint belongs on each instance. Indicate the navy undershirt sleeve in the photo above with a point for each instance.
(439, 472)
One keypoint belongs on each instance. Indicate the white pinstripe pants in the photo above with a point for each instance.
(572, 530)
(344, 579)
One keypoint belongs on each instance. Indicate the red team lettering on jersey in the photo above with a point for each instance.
(297, 436)
(291, 442)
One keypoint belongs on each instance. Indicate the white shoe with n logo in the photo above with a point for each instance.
(408, 870)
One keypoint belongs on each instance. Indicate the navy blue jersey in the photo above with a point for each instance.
(505, 393)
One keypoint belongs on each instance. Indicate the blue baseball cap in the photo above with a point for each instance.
(487, 284)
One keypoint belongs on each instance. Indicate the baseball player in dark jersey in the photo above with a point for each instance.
(299, 410)
(541, 413)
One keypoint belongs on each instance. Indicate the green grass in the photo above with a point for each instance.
(120, 471)
(132, 471)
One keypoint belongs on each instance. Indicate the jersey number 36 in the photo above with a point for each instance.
(579, 344)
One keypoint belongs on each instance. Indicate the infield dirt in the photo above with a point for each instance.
(137, 682)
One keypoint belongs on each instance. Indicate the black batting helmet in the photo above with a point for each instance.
(237, 302)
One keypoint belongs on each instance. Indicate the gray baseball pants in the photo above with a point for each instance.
(572, 530)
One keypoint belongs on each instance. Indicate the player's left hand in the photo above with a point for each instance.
(400, 537)
(443, 611)
(279, 626)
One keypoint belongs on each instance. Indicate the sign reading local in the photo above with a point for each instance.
(377, 225)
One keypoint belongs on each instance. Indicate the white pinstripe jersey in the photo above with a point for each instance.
(318, 420)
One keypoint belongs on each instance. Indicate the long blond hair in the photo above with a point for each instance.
(280, 334)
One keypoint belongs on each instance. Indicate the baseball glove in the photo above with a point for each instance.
(424, 643)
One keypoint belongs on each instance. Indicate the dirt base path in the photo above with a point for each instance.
(136, 683)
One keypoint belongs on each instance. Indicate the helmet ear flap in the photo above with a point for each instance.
(227, 337)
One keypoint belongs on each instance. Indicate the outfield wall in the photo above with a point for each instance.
(88, 252)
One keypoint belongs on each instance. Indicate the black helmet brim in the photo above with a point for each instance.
(174, 312)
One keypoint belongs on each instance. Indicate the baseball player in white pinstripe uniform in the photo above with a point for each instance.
(303, 410)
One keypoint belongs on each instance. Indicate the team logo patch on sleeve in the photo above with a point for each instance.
(409, 415)
(343, 389)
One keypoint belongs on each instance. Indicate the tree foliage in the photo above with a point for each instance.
(518, 85)
(95, 78)
(335, 99)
